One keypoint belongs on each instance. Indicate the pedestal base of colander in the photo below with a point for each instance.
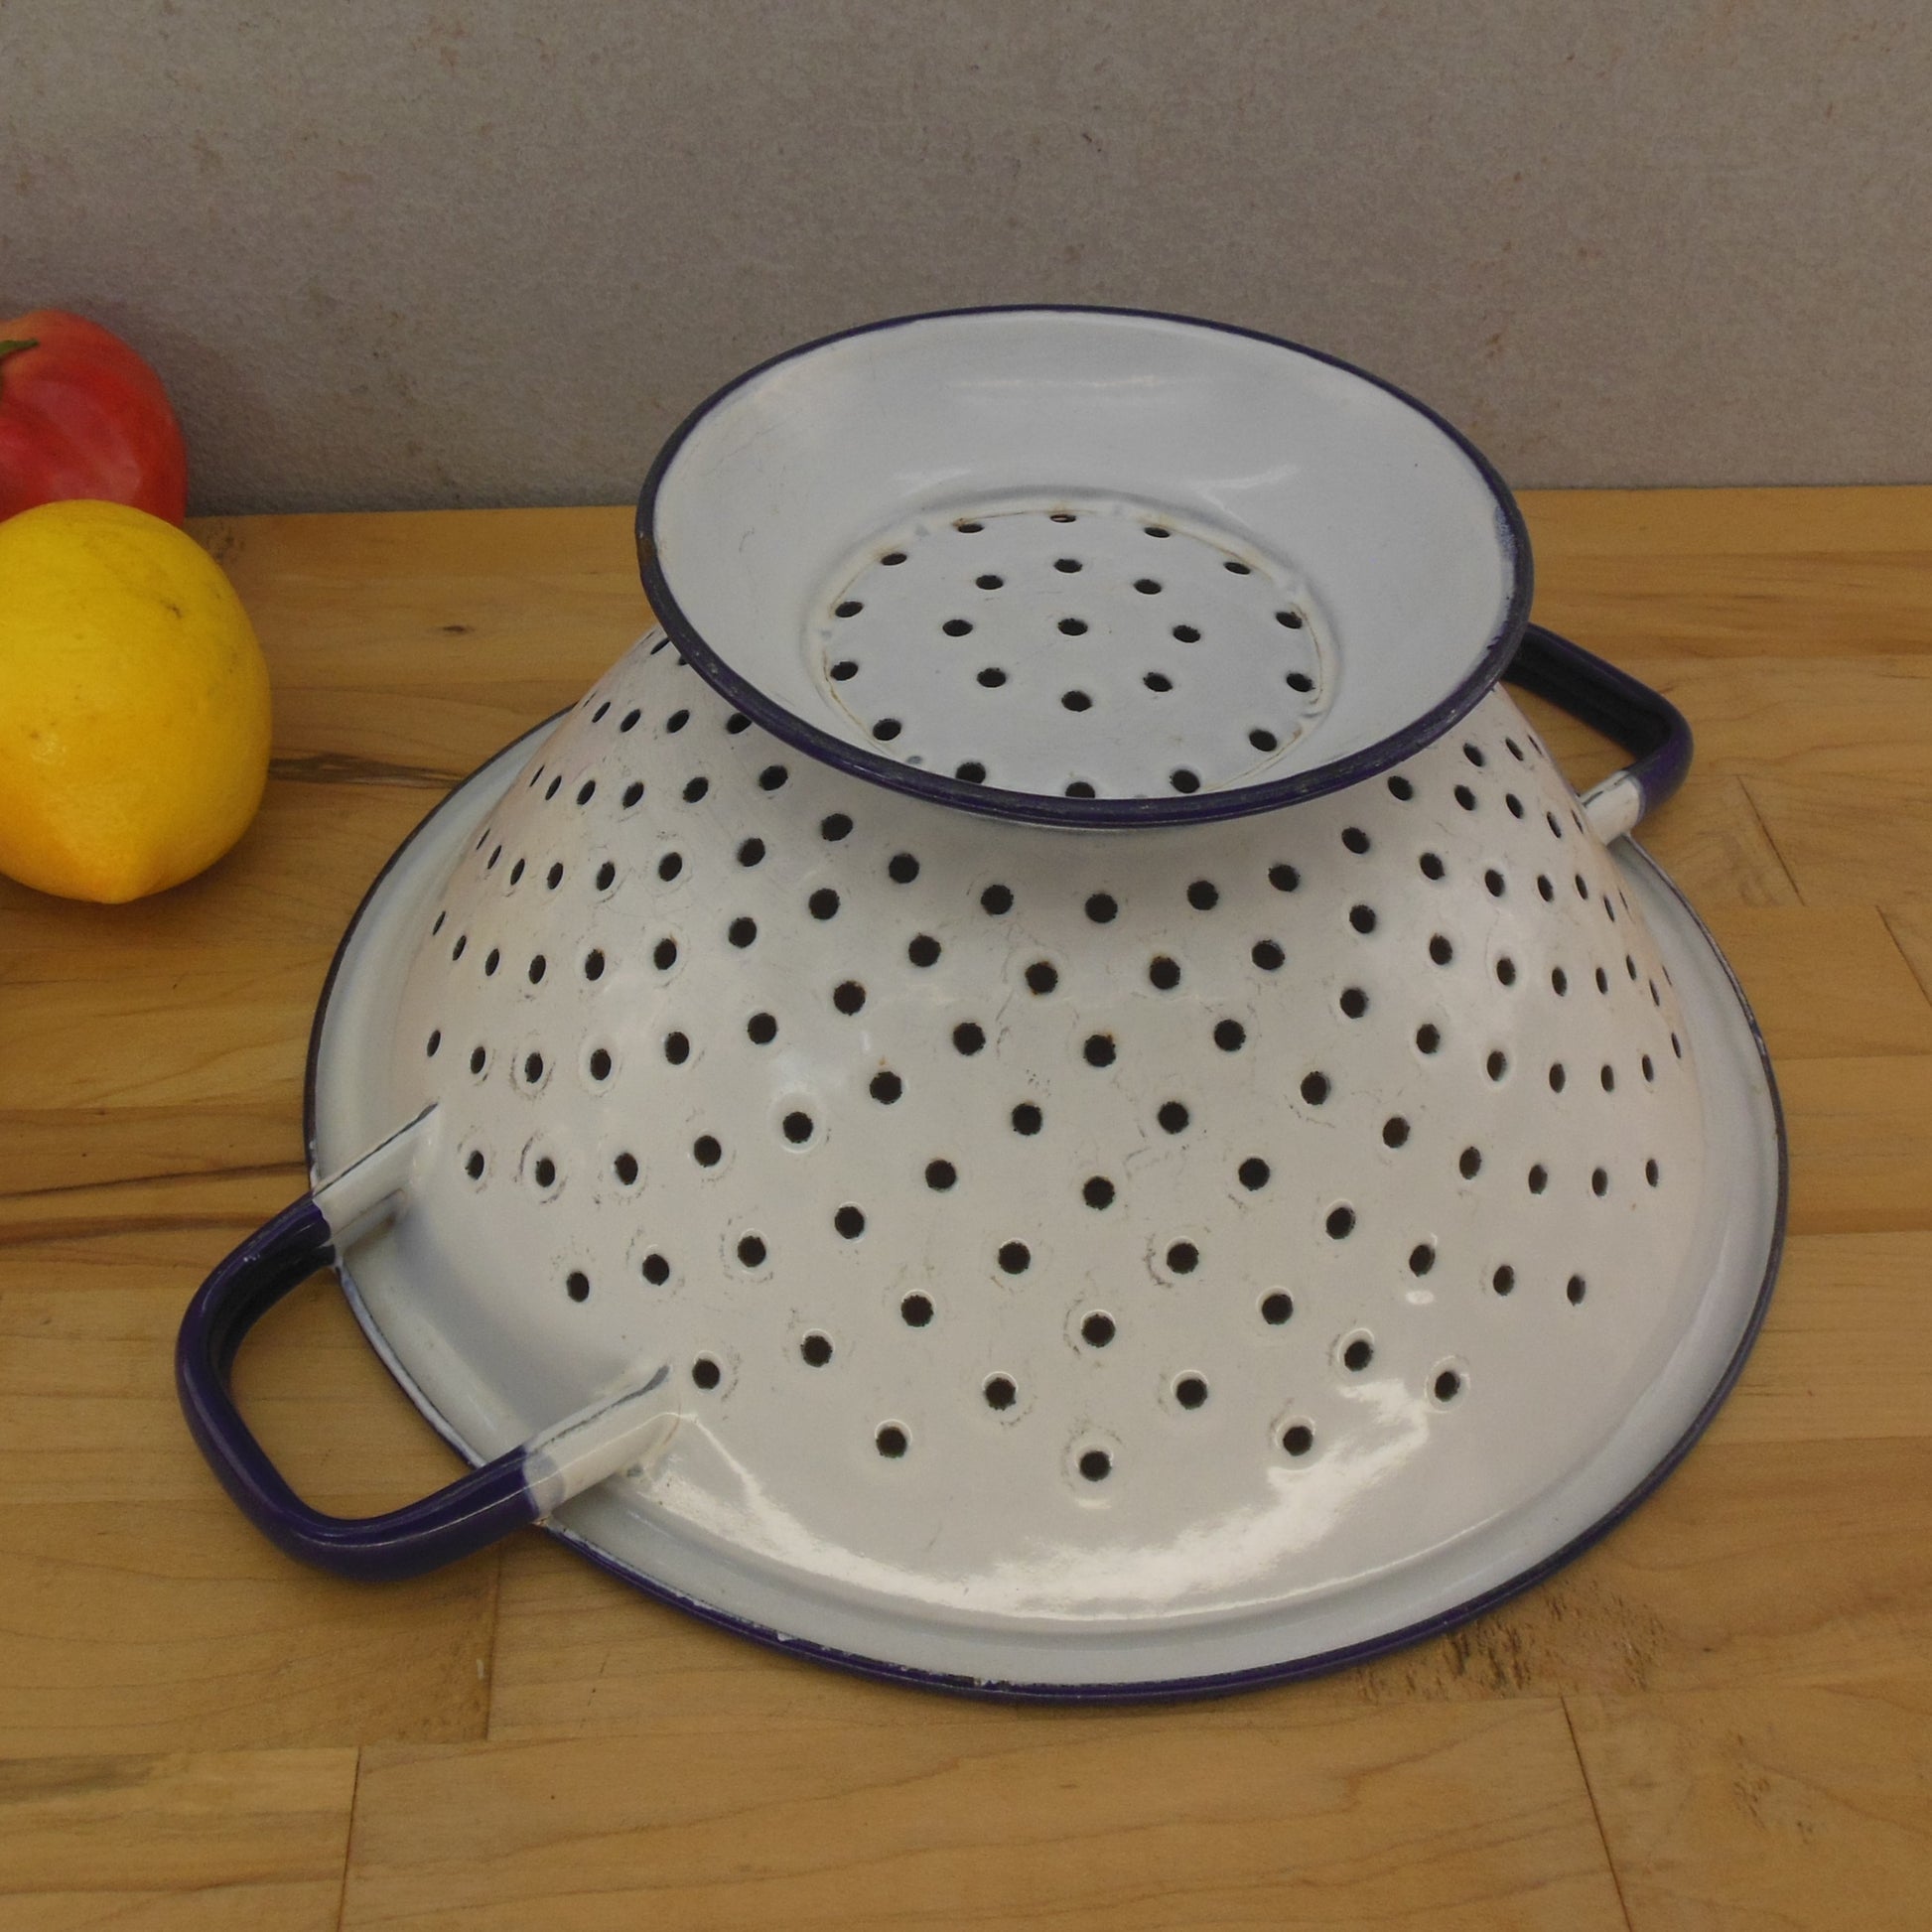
(1160, 1654)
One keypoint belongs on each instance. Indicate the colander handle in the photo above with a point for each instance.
(517, 1488)
(1596, 693)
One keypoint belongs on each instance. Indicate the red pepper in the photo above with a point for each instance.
(81, 415)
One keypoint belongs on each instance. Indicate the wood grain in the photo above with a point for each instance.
(1860, 1143)
(1861, 844)
(1759, 1809)
(1744, 1664)
(219, 1840)
(1419, 1817)
(1826, 984)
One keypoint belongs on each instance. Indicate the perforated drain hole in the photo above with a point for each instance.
(815, 1350)
(1095, 1464)
(1503, 1281)
(891, 1440)
(850, 1221)
(1576, 1288)
(1276, 1307)
(915, 1310)
(1097, 1329)
(1000, 1392)
(1298, 1438)
(577, 1284)
(1357, 1352)
(1109, 628)
(1190, 1390)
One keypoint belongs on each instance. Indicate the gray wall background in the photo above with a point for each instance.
(472, 251)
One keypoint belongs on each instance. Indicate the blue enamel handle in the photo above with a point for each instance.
(1644, 721)
(470, 1512)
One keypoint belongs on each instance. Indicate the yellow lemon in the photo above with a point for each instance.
(133, 704)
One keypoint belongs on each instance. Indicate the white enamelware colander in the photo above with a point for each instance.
(1048, 1090)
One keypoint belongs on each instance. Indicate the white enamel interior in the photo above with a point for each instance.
(1367, 548)
(1210, 1541)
